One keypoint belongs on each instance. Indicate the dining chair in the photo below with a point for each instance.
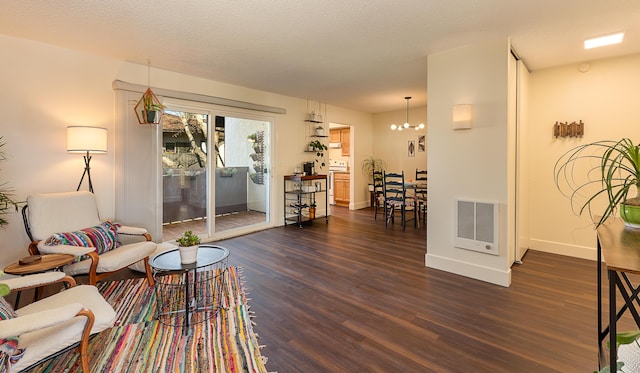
(421, 192)
(396, 199)
(378, 193)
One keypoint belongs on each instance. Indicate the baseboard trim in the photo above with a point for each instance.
(466, 269)
(575, 251)
(361, 205)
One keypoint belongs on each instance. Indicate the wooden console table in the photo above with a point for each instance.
(619, 249)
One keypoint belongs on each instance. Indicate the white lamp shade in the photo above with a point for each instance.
(462, 116)
(82, 139)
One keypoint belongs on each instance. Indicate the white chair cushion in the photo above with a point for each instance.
(47, 341)
(115, 259)
(33, 280)
(160, 248)
(76, 210)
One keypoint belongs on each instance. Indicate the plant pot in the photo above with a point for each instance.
(312, 213)
(630, 215)
(188, 254)
(152, 116)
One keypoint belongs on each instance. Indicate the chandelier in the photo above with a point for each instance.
(406, 124)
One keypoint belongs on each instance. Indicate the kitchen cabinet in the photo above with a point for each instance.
(341, 186)
(341, 135)
(334, 135)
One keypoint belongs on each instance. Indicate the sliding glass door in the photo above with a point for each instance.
(214, 173)
(185, 173)
(241, 182)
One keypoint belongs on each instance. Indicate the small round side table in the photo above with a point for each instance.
(48, 262)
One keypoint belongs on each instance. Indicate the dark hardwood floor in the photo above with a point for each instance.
(352, 296)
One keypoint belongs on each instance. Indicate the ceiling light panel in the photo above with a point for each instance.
(604, 40)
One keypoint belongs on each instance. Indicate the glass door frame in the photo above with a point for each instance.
(221, 111)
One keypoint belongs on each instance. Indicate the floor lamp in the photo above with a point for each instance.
(86, 140)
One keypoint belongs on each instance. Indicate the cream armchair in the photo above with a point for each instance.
(48, 214)
(57, 323)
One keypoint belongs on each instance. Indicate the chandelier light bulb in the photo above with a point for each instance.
(393, 127)
(406, 124)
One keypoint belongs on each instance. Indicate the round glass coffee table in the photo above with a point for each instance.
(189, 293)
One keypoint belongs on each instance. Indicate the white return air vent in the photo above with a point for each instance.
(477, 226)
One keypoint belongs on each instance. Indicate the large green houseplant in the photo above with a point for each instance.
(600, 170)
(7, 203)
(370, 165)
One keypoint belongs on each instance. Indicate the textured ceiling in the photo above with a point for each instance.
(360, 54)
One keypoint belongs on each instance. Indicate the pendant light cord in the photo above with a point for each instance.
(407, 98)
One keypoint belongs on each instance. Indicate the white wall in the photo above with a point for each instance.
(468, 164)
(46, 89)
(606, 99)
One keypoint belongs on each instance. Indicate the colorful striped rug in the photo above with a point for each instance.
(140, 343)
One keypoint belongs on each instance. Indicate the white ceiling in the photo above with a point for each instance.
(360, 54)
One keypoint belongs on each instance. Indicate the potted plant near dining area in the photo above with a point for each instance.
(369, 165)
(188, 247)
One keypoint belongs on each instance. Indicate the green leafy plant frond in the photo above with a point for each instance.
(7, 201)
(319, 147)
(371, 164)
(602, 170)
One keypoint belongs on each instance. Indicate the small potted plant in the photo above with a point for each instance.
(152, 109)
(319, 148)
(188, 246)
(319, 130)
(312, 210)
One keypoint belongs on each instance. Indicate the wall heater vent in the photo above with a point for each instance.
(477, 226)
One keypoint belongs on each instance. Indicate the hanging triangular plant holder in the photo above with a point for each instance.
(149, 110)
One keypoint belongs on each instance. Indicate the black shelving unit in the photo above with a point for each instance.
(299, 193)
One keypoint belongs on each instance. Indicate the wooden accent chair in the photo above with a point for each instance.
(55, 324)
(48, 215)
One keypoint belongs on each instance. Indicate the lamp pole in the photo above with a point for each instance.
(87, 171)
